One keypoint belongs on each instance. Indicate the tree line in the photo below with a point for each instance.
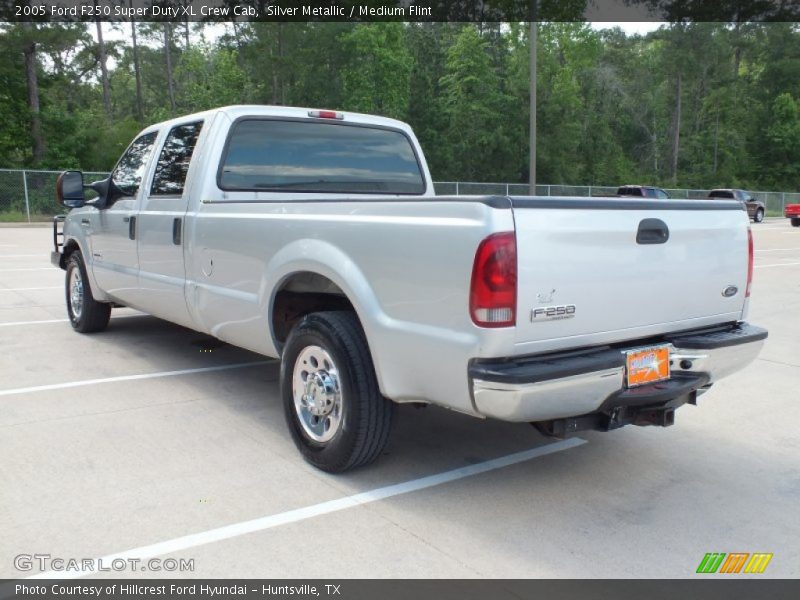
(689, 105)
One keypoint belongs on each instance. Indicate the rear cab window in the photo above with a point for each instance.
(296, 156)
(629, 191)
(721, 194)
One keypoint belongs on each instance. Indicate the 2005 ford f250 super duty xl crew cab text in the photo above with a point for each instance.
(315, 236)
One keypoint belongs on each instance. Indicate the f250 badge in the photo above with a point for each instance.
(552, 313)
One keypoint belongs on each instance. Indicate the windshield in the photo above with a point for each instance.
(308, 156)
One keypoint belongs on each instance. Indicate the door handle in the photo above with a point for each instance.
(126, 219)
(85, 222)
(132, 228)
(176, 231)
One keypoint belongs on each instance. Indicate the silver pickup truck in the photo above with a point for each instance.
(315, 236)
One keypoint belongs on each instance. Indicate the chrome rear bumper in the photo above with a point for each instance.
(542, 388)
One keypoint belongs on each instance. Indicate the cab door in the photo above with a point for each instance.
(114, 260)
(162, 275)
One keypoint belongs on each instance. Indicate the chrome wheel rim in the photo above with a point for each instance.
(76, 293)
(316, 393)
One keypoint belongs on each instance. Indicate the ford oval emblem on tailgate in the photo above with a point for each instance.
(730, 291)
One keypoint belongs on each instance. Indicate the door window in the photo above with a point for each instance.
(173, 163)
(127, 175)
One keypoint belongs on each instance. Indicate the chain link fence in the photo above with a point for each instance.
(27, 195)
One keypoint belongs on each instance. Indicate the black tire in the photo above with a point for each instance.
(86, 315)
(796, 222)
(344, 379)
(759, 216)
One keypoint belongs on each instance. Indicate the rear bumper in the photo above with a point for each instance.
(543, 388)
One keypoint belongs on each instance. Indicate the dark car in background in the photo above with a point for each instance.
(756, 209)
(642, 191)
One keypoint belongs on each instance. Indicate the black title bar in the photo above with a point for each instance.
(705, 587)
(399, 10)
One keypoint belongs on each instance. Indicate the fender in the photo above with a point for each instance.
(85, 250)
(323, 258)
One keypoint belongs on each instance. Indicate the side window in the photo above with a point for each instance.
(127, 175)
(173, 163)
(662, 195)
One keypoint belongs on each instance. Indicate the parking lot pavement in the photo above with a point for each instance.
(125, 442)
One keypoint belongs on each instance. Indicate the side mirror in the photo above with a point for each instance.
(69, 189)
(108, 192)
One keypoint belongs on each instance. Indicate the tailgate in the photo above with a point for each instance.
(583, 275)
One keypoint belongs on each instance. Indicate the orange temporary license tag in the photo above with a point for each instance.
(647, 365)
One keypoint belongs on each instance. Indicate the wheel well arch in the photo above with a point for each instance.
(70, 247)
(299, 294)
(73, 245)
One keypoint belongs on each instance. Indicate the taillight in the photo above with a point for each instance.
(493, 290)
(749, 263)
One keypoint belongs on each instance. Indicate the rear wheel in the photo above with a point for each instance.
(85, 313)
(759, 216)
(796, 222)
(336, 414)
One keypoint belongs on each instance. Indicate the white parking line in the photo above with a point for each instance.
(84, 382)
(50, 268)
(14, 323)
(777, 265)
(52, 287)
(39, 255)
(316, 510)
(777, 249)
(39, 322)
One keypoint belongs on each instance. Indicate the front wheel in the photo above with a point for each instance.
(796, 222)
(85, 313)
(759, 216)
(336, 414)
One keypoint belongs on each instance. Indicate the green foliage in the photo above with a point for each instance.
(783, 137)
(13, 107)
(210, 79)
(475, 106)
(375, 77)
(608, 104)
